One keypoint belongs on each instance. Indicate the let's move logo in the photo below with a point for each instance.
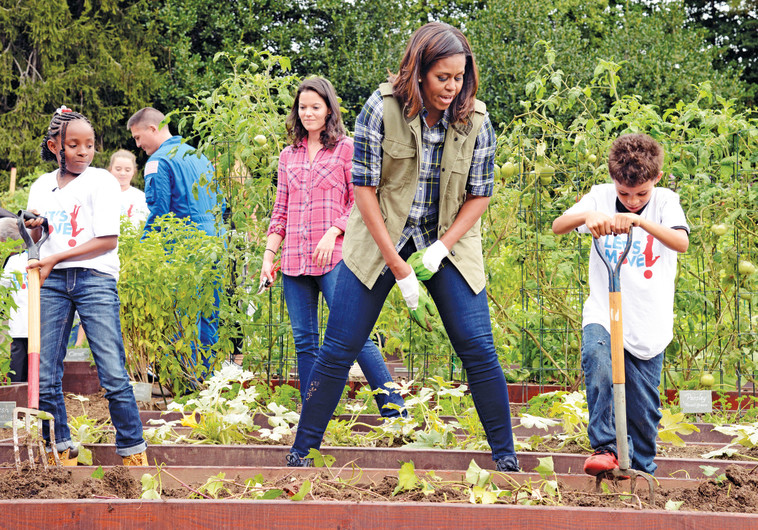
(637, 257)
(66, 223)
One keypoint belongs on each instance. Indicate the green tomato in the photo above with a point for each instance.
(719, 229)
(546, 173)
(260, 140)
(498, 171)
(746, 268)
(592, 159)
(746, 295)
(508, 170)
(707, 380)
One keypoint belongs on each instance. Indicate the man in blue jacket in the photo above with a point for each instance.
(170, 175)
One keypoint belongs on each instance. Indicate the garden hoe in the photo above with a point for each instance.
(31, 416)
(619, 377)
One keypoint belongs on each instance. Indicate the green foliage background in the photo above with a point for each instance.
(562, 78)
(108, 58)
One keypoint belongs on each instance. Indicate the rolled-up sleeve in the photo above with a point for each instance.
(341, 221)
(278, 224)
(481, 175)
(369, 133)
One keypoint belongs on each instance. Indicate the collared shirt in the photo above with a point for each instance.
(423, 218)
(310, 199)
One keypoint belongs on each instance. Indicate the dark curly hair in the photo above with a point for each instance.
(57, 127)
(635, 159)
(334, 129)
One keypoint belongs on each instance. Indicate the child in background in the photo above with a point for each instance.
(123, 166)
(18, 320)
(79, 268)
(647, 283)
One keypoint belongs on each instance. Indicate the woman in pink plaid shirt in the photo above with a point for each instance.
(314, 196)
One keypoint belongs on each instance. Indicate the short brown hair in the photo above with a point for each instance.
(635, 159)
(428, 44)
(146, 116)
(334, 129)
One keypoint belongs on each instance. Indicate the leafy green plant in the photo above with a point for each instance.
(672, 425)
(177, 265)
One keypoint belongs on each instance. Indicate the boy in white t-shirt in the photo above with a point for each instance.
(123, 166)
(647, 283)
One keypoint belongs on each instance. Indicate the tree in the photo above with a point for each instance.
(85, 55)
(662, 59)
(731, 27)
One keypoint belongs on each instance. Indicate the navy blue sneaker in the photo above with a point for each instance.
(293, 460)
(508, 464)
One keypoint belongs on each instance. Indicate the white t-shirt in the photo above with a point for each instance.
(87, 207)
(18, 320)
(134, 206)
(647, 276)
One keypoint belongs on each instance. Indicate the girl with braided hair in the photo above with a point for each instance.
(78, 272)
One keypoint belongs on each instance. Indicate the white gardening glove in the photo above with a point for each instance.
(427, 261)
(410, 289)
(434, 256)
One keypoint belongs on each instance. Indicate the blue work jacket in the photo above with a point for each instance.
(170, 174)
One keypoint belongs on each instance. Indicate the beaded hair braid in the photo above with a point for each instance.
(58, 126)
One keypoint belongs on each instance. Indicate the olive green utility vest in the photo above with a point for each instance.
(401, 163)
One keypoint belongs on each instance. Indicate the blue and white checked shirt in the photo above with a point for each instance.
(423, 219)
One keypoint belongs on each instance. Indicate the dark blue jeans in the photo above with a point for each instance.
(642, 398)
(466, 318)
(95, 296)
(301, 294)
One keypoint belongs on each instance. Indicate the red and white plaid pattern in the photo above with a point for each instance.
(310, 199)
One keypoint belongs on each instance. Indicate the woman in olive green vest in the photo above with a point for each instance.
(423, 169)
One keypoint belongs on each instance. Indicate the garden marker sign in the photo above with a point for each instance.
(696, 401)
(6, 411)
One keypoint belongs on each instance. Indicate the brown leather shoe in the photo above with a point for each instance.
(138, 459)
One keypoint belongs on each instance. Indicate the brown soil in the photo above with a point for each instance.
(56, 483)
(735, 491)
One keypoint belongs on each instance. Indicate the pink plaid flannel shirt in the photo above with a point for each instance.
(310, 199)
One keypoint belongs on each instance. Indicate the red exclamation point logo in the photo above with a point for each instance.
(75, 230)
(649, 259)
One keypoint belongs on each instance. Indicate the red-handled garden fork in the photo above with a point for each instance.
(31, 414)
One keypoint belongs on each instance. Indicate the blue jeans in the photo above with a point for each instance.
(466, 318)
(301, 294)
(94, 295)
(642, 398)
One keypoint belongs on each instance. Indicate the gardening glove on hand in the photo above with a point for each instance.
(410, 289)
(427, 261)
(422, 314)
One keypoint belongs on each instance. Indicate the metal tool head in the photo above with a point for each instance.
(32, 247)
(31, 437)
(617, 474)
(614, 271)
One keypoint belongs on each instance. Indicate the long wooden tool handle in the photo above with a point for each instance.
(617, 338)
(33, 288)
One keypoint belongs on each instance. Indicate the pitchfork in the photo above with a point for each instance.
(32, 414)
(624, 470)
